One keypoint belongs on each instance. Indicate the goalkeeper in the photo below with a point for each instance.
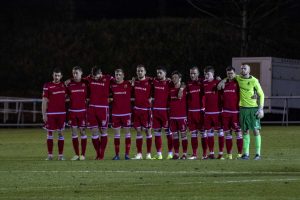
(251, 109)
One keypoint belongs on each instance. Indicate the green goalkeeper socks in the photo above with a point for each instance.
(246, 145)
(257, 144)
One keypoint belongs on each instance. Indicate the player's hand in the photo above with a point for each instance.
(260, 113)
(67, 81)
(218, 78)
(180, 93)
(45, 118)
(221, 84)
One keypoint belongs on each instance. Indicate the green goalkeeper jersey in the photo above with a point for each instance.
(248, 87)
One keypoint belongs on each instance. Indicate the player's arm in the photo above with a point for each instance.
(44, 108)
(221, 84)
(260, 93)
(180, 92)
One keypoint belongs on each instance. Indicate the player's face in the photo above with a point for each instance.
(77, 75)
(119, 76)
(140, 72)
(160, 74)
(230, 74)
(209, 76)
(175, 79)
(56, 77)
(194, 74)
(245, 70)
(97, 76)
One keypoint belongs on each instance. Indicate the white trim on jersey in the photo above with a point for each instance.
(155, 108)
(195, 110)
(178, 118)
(81, 110)
(138, 108)
(120, 115)
(212, 113)
(98, 106)
(229, 111)
(55, 113)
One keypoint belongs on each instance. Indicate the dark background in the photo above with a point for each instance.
(38, 35)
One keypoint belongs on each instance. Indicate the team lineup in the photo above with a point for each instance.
(202, 107)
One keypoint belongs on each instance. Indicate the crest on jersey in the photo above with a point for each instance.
(83, 85)
(125, 86)
(146, 83)
(104, 80)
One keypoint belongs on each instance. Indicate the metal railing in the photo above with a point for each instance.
(13, 110)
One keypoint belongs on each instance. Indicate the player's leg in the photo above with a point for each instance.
(61, 140)
(239, 136)
(257, 137)
(104, 126)
(116, 125)
(204, 144)
(184, 141)
(94, 128)
(156, 126)
(50, 145)
(226, 122)
(74, 129)
(221, 142)
(139, 137)
(60, 143)
(193, 120)
(174, 131)
(210, 135)
(127, 142)
(146, 125)
(244, 117)
(83, 142)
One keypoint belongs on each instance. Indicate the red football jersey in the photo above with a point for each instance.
(177, 106)
(211, 98)
(98, 91)
(77, 92)
(195, 93)
(56, 95)
(160, 93)
(121, 98)
(231, 96)
(142, 93)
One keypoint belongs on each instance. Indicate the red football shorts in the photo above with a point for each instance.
(55, 122)
(141, 118)
(195, 120)
(230, 121)
(212, 121)
(178, 125)
(77, 119)
(119, 121)
(160, 119)
(98, 117)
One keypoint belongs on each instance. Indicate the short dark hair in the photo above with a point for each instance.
(57, 70)
(209, 69)
(162, 68)
(195, 68)
(77, 68)
(178, 74)
(230, 68)
(119, 70)
(95, 70)
(140, 66)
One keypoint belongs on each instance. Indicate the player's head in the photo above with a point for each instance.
(161, 73)
(194, 73)
(57, 75)
(141, 71)
(119, 75)
(245, 70)
(96, 72)
(209, 73)
(77, 73)
(176, 77)
(230, 72)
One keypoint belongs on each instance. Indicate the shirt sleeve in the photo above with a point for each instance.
(260, 93)
(45, 91)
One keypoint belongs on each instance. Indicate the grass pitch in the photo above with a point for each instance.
(25, 174)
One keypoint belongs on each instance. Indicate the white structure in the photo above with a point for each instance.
(279, 77)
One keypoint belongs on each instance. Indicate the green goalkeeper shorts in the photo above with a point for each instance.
(248, 119)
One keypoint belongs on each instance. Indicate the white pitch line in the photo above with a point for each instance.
(222, 182)
(90, 187)
(150, 172)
